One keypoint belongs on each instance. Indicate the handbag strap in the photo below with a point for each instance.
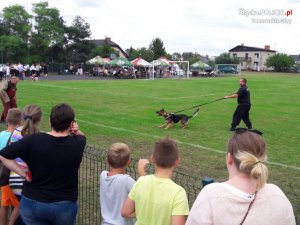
(8, 141)
(251, 203)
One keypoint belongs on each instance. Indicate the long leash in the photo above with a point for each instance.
(199, 105)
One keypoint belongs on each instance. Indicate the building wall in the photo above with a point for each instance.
(120, 52)
(254, 60)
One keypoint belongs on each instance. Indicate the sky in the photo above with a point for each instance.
(208, 27)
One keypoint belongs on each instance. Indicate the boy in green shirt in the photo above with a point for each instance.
(156, 199)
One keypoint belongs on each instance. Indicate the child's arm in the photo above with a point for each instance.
(128, 210)
(178, 220)
(141, 166)
(14, 166)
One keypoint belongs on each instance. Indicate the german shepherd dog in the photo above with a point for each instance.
(171, 118)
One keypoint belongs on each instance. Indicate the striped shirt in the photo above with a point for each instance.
(15, 181)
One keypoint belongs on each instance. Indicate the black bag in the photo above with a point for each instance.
(4, 175)
(4, 171)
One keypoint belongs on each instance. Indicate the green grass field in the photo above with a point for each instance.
(124, 110)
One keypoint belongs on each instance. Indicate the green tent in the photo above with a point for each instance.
(119, 62)
(98, 60)
(199, 65)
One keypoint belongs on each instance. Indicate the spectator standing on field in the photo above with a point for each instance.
(115, 185)
(13, 119)
(156, 199)
(245, 198)
(8, 95)
(54, 159)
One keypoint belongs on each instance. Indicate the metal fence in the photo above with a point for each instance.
(93, 162)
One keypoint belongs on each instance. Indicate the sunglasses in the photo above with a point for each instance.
(242, 130)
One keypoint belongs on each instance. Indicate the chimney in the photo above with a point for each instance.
(107, 38)
(242, 44)
(267, 47)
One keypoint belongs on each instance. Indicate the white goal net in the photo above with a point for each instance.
(174, 69)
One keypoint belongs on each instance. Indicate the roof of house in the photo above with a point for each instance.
(243, 48)
(101, 42)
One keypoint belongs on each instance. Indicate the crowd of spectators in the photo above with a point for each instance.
(44, 179)
(23, 70)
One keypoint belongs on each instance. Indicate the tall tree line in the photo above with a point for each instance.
(42, 36)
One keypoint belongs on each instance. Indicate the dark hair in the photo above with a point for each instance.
(244, 79)
(165, 153)
(32, 116)
(118, 155)
(61, 117)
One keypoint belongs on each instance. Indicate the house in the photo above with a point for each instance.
(296, 58)
(297, 62)
(252, 58)
(108, 41)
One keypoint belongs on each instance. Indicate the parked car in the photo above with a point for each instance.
(228, 70)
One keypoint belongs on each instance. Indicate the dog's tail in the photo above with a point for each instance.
(195, 113)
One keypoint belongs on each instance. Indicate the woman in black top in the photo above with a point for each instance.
(50, 195)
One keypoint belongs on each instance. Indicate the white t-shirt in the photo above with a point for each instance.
(113, 193)
(223, 204)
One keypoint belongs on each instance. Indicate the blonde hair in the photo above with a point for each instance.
(14, 117)
(118, 155)
(249, 153)
(32, 116)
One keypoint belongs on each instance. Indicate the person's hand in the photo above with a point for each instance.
(27, 177)
(74, 127)
(142, 163)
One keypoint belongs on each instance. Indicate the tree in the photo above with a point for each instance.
(225, 58)
(143, 52)
(16, 21)
(49, 31)
(78, 31)
(281, 62)
(15, 27)
(157, 47)
(76, 44)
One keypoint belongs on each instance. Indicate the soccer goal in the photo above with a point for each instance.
(230, 69)
(174, 69)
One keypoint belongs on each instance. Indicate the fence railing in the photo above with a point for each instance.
(93, 162)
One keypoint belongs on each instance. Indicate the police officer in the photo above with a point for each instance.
(244, 105)
(8, 90)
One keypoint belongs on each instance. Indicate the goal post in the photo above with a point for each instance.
(176, 69)
(230, 69)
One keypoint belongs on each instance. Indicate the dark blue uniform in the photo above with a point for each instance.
(243, 108)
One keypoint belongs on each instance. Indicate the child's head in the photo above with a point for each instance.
(32, 116)
(14, 117)
(118, 155)
(165, 153)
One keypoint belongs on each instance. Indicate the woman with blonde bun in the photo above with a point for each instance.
(245, 198)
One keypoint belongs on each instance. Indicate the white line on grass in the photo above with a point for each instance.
(180, 142)
(149, 96)
(54, 86)
(175, 98)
